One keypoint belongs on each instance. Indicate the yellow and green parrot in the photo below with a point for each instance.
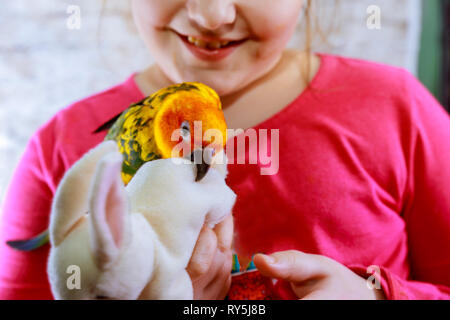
(143, 133)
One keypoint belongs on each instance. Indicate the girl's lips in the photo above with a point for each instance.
(211, 54)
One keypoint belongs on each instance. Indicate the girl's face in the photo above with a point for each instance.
(225, 44)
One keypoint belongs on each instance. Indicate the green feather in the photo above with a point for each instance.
(30, 244)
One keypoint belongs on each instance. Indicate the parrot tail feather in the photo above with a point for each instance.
(30, 244)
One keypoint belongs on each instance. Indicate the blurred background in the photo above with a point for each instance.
(48, 61)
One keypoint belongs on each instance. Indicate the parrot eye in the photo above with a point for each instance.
(185, 130)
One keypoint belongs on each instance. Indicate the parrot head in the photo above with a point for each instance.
(184, 120)
(190, 119)
(191, 125)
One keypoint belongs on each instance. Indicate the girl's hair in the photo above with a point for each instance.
(313, 31)
(308, 40)
(309, 26)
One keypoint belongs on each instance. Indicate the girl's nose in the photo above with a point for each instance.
(211, 14)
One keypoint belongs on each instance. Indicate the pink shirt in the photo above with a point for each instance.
(364, 178)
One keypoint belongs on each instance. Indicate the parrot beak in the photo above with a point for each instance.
(202, 159)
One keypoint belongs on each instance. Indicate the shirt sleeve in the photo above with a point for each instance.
(426, 210)
(26, 213)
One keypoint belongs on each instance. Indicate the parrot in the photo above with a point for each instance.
(144, 132)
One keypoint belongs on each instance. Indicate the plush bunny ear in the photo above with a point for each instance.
(71, 198)
(109, 210)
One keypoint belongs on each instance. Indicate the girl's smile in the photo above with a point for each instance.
(209, 48)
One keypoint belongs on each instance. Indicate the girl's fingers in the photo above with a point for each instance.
(292, 266)
(225, 288)
(224, 232)
(218, 287)
(222, 280)
(222, 265)
(218, 277)
(203, 253)
(210, 268)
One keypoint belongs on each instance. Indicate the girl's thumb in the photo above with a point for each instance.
(292, 266)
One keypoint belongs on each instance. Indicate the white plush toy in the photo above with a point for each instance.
(135, 241)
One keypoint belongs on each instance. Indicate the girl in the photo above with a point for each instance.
(363, 176)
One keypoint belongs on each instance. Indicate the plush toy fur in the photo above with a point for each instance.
(132, 242)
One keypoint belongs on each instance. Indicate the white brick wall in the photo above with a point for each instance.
(44, 66)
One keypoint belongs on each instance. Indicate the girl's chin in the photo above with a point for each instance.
(218, 76)
(215, 79)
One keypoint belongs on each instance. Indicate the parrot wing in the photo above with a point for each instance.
(108, 124)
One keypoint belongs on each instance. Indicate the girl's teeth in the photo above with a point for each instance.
(200, 43)
(210, 45)
(214, 45)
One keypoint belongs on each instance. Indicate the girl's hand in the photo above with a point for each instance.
(315, 277)
(211, 262)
